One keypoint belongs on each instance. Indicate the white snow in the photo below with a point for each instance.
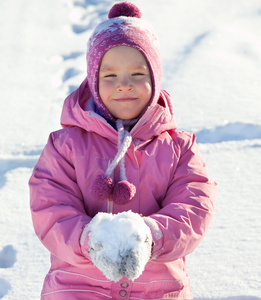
(120, 244)
(211, 56)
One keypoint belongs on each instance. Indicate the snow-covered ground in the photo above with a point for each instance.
(211, 56)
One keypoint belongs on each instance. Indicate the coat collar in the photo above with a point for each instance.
(154, 121)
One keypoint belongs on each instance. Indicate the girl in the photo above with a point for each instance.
(119, 197)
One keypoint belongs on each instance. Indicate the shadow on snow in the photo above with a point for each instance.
(230, 132)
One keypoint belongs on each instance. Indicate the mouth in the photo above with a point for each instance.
(125, 99)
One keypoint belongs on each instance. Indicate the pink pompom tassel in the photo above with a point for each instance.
(123, 192)
(102, 187)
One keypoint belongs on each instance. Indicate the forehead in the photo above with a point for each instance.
(123, 55)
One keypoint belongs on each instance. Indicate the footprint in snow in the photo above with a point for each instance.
(72, 55)
(7, 260)
(69, 73)
(64, 75)
(7, 257)
(87, 14)
(4, 287)
(6, 165)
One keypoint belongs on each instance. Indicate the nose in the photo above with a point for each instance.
(125, 85)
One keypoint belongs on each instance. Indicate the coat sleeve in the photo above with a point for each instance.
(56, 203)
(187, 209)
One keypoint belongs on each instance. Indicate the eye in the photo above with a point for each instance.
(137, 74)
(109, 75)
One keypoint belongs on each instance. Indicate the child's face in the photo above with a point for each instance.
(125, 84)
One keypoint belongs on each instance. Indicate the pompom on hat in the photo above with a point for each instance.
(126, 9)
(125, 27)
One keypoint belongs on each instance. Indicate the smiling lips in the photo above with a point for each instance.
(125, 99)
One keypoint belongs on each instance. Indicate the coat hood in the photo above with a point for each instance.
(155, 120)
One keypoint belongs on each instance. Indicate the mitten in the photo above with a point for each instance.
(137, 249)
(103, 245)
(119, 244)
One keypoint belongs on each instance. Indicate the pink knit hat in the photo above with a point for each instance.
(124, 27)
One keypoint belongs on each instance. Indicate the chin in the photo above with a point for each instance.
(124, 117)
(127, 116)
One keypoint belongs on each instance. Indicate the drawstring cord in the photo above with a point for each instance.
(124, 141)
(104, 187)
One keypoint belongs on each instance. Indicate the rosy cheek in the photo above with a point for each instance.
(106, 84)
(104, 87)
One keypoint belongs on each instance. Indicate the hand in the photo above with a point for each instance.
(136, 257)
(119, 244)
(103, 246)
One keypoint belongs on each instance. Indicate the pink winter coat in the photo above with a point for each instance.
(173, 191)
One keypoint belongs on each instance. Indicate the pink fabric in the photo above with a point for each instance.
(173, 192)
(102, 187)
(123, 192)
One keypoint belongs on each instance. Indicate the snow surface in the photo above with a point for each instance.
(211, 56)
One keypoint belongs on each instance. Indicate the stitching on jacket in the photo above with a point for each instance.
(155, 281)
(76, 290)
(77, 274)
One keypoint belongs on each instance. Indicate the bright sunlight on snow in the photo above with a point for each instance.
(211, 57)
